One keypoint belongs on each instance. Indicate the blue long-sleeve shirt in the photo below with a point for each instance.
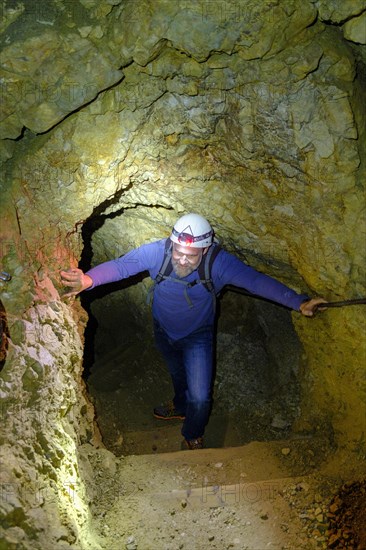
(170, 306)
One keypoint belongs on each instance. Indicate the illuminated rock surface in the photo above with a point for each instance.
(116, 118)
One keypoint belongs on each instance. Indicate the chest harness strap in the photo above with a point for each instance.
(203, 270)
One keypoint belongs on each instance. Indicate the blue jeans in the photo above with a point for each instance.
(189, 361)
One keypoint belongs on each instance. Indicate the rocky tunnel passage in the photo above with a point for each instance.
(125, 115)
(258, 360)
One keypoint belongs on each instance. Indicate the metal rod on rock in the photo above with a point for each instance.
(343, 303)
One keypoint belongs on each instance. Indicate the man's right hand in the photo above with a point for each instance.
(75, 279)
(310, 307)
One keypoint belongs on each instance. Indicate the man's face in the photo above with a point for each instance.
(186, 259)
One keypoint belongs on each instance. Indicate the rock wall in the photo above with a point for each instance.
(120, 116)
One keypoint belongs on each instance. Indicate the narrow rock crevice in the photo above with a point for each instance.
(4, 336)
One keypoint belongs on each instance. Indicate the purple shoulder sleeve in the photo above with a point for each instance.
(229, 270)
(144, 258)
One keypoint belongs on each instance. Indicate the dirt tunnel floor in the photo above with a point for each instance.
(247, 498)
(255, 486)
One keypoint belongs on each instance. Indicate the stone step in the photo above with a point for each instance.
(165, 436)
(237, 497)
(254, 462)
(212, 495)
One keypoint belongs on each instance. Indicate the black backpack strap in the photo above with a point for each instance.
(205, 267)
(166, 267)
(205, 271)
(165, 270)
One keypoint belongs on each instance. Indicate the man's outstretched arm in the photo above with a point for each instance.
(140, 259)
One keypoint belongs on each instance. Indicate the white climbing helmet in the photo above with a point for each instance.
(192, 230)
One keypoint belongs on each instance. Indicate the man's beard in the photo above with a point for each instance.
(180, 270)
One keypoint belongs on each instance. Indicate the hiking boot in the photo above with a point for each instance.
(168, 412)
(193, 444)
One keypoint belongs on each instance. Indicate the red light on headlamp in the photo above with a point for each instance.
(185, 239)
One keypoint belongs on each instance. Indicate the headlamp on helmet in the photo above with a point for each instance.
(192, 230)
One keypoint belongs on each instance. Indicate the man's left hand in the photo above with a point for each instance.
(310, 307)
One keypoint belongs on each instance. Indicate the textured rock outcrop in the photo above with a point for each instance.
(120, 116)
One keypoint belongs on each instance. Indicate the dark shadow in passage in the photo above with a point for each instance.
(87, 298)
